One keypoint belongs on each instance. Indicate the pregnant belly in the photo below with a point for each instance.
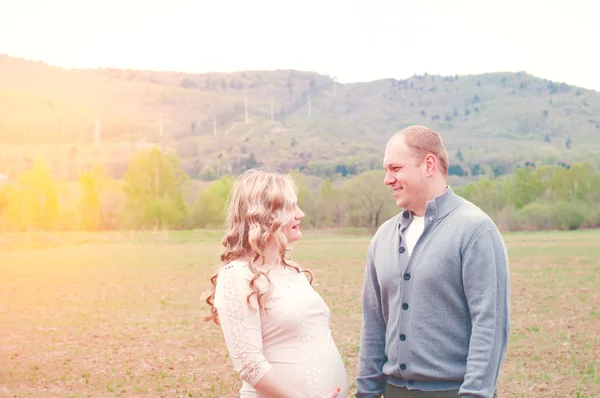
(311, 370)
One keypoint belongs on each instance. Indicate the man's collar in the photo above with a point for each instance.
(436, 208)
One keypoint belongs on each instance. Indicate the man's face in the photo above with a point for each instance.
(405, 174)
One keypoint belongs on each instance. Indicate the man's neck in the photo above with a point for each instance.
(437, 189)
(433, 192)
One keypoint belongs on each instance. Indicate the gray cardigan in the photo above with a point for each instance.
(440, 319)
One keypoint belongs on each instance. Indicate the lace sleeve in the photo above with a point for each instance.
(241, 324)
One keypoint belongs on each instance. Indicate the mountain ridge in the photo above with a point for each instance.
(225, 122)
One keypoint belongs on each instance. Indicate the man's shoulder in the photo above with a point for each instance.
(471, 213)
(469, 221)
(389, 225)
(386, 230)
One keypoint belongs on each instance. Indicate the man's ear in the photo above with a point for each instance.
(431, 165)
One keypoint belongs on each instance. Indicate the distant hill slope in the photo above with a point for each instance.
(223, 122)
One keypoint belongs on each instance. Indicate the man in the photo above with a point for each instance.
(436, 290)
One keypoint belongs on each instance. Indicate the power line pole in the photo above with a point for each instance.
(63, 130)
(160, 125)
(97, 132)
(246, 108)
(334, 86)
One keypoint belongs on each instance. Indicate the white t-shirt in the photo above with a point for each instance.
(413, 232)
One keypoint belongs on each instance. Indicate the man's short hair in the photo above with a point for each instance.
(423, 141)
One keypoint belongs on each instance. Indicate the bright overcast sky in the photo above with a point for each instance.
(352, 40)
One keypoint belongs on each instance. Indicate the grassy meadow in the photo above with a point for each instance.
(120, 314)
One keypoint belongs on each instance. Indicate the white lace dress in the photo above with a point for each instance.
(293, 335)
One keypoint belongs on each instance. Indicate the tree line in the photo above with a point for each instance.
(540, 198)
(156, 193)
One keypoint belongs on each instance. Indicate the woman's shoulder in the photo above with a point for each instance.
(233, 275)
(235, 268)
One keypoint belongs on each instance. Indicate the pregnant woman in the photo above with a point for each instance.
(276, 326)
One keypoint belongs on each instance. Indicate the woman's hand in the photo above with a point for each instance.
(333, 393)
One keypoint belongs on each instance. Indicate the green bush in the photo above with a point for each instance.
(592, 219)
(545, 216)
(536, 216)
(570, 215)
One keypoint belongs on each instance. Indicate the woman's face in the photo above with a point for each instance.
(292, 229)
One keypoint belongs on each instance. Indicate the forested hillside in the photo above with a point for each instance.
(221, 123)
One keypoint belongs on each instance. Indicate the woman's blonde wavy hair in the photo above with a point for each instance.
(261, 202)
